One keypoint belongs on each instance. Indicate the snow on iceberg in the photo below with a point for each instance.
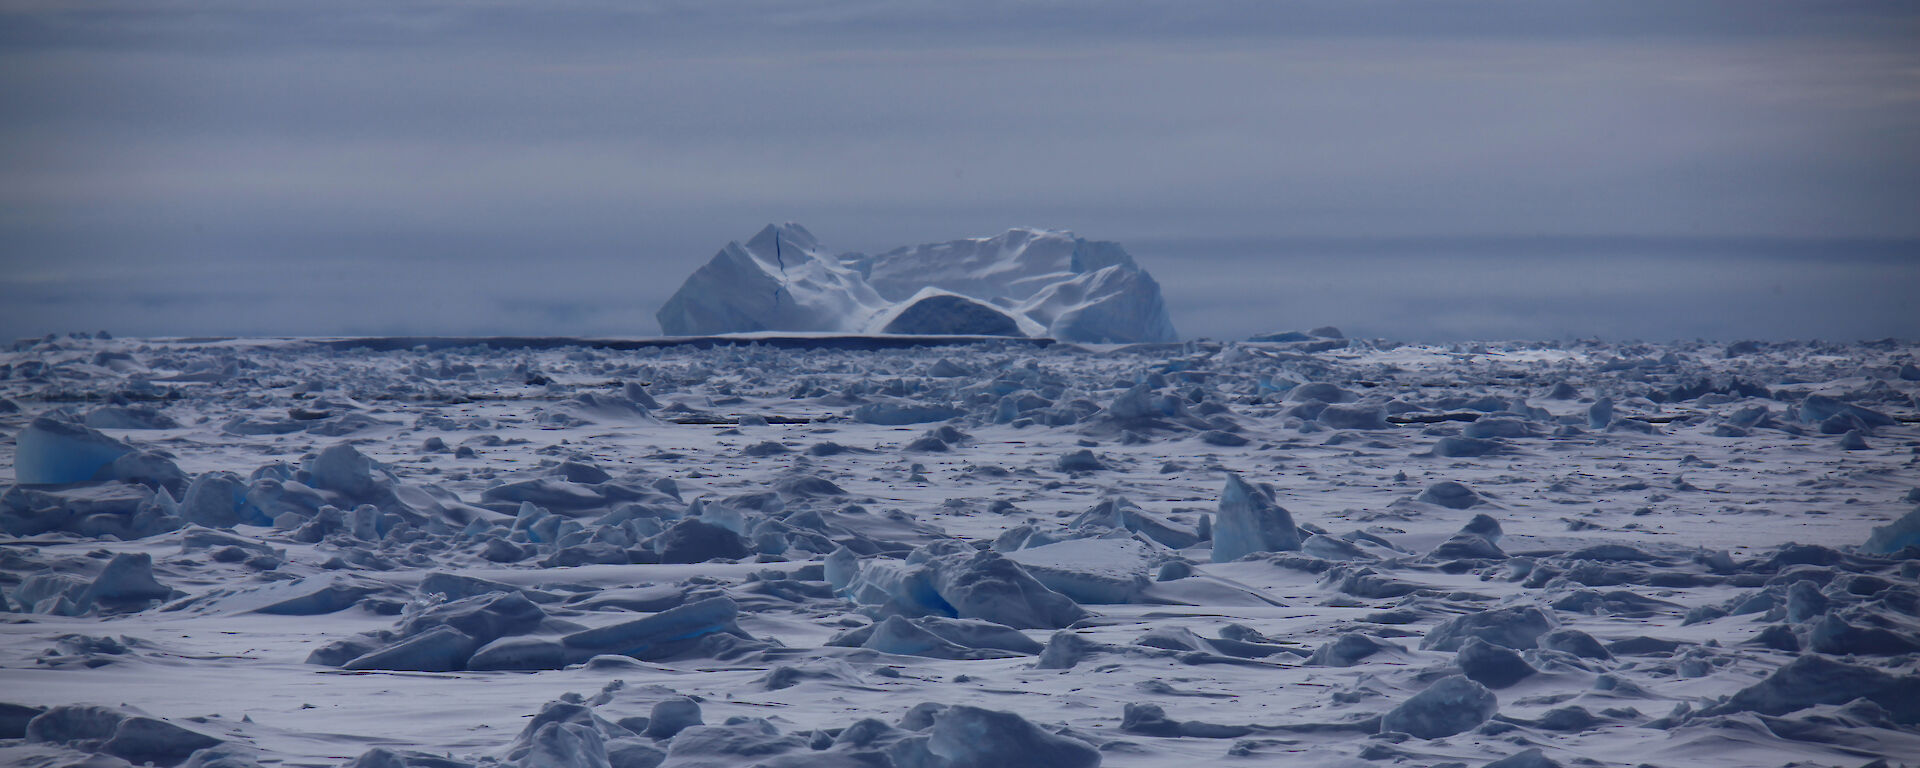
(1024, 282)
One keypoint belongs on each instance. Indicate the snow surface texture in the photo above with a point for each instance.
(1024, 282)
(1287, 552)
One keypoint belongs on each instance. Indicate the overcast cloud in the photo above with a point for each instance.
(1434, 170)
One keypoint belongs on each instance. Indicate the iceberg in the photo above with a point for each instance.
(1020, 283)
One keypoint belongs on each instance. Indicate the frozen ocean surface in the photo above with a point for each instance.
(842, 550)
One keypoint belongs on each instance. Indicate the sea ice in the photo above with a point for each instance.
(954, 584)
(1248, 521)
(1518, 627)
(1895, 536)
(510, 501)
(971, 737)
(1451, 705)
(1348, 649)
(660, 635)
(1449, 494)
(1491, 665)
(1091, 571)
(128, 578)
(51, 451)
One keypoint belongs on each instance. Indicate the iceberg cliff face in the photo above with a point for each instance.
(781, 280)
(1115, 304)
(1024, 282)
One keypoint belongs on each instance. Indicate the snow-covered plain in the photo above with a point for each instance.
(824, 552)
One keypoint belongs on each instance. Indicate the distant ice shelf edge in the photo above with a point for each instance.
(1020, 283)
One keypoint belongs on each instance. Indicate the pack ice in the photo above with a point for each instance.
(957, 552)
(1023, 282)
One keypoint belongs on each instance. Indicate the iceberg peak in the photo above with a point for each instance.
(774, 238)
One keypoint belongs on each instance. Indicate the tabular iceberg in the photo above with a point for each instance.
(1024, 282)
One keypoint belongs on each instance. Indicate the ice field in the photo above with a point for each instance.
(957, 552)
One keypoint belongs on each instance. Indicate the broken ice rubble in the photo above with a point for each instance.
(1305, 548)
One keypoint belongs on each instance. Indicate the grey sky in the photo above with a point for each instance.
(1432, 170)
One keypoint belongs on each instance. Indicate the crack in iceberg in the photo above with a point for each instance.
(777, 257)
